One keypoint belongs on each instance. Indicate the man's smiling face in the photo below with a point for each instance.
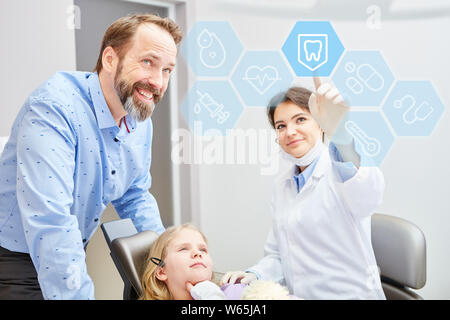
(143, 74)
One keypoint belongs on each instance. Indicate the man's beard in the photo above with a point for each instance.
(135, 107)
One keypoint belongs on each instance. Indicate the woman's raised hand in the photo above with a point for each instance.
(327, 107)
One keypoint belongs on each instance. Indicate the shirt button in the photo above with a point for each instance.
(113, 172)
(116, 140)
(84, 240)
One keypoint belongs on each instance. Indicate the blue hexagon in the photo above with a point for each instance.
(260, 75)
(371, 134)
(363, 78)
(313, 48)
(211, 108)
(413, 108)
(211, 48)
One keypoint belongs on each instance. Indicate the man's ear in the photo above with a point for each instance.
(109, 59)
(160, 274)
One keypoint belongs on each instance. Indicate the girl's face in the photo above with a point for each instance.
(296, 129)
(187, 260)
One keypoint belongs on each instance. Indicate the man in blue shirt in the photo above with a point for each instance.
(80, 141)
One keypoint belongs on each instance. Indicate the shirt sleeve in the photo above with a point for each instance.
(361, 188)
(138, 203)
(46, 165)
(345, 169)
(140, 206)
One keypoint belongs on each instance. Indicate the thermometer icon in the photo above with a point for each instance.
(371, 146)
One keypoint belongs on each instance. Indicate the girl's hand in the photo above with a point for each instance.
(189, 286)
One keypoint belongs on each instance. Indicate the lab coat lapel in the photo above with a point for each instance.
(319, 171)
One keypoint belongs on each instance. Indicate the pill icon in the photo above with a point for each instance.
(354, 85)
(366, 76)
(370, 77)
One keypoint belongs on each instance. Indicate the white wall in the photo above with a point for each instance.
(36, 42)
(233, 201)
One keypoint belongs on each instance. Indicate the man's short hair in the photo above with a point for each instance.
(119, 34)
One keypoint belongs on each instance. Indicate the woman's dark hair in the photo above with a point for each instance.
(298, 95)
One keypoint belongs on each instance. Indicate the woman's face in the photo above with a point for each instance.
(187, 260)
(296, 129)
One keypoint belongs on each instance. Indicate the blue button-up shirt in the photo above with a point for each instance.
(65, 160)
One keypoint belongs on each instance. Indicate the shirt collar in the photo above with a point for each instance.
(101, 109)
(308, 171)
(316, 169)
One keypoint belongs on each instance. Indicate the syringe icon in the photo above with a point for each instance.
(371, 146)
(215, 109)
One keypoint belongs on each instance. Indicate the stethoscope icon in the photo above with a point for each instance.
(212, 53)
(413, 112)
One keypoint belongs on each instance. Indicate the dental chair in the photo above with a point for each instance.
(129, 250)
(399, 248)
(400, 251)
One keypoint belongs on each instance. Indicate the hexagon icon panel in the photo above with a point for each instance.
(313, 48)
(371, 135)
(363, 78)
(413, 108)
(260, 75)
(211, 108)
(211, 48)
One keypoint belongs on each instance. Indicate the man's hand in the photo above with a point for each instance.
(327, 107)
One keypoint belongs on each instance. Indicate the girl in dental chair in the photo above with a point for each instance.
(179, 267)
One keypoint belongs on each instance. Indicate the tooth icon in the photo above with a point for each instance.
(313, 49)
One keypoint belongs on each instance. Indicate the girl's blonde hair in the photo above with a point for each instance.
(152, 287)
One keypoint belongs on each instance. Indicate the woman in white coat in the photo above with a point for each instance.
(319, 245)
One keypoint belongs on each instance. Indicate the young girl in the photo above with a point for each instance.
(178, 258)
(179, 268)
(320, 241)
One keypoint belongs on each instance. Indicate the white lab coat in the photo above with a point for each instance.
(320, 242)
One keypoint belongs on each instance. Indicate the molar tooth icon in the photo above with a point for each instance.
(313, 49)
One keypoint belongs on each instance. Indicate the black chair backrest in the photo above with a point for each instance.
(129, 250)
